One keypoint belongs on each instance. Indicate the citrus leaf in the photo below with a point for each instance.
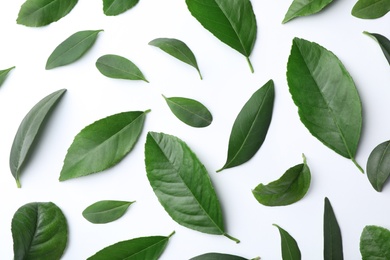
(378, 166)
(333, 244)
(370, 9)
(290, 249)
(102, 144)
(116, 7)
(106, 211)
(218, 256)
(4, 74)
(304, 7)
(375, 243)
(383, 42)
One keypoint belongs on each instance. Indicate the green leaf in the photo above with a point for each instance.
(117, 67)
(304, 7)
(177, 49)
(116, 7)
(102, 144)
(28, 132)
(39, 231)
(189, 111)
(217, 256)
(36, 13)
(288, 189)
(333, 244)
(72, 49)
(378, 166)
(251, 126)
(182, 184)
(106, 211)
(4, 74)
(383, 42)
(327, 99)
(232, 22)
(149, 248)
(371, 9)
(290, 249)
(375, 243)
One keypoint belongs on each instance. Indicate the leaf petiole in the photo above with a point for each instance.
(232, 238)
(250, 64)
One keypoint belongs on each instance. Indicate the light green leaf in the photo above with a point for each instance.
(304, 7)
(4, 74)
(371, 9)
(383, 42)
(378, 166)
(106, 211)
(116, 7)
(333, 243)
(290, 249)
(375, 243)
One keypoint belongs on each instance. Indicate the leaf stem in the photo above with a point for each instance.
(18, 183)
(232, 238)
(200, 75)
(250, 64)
(172, 234)
(357, 165)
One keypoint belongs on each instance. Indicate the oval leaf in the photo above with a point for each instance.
(375, 243)
(232, 22)
(106, 211)
(327, 99)
(378, 166)
(290, 188)
(189, 111)
(116, 7)
(117, 67)
(371, 9)
(102, 144)
(333, 244)
(383, 42)
(39, 231)
(149, 248)
(36, 13)
(304, 7)
(290, 249)
(28, 132)
(176, 175)
(4, 74)
(72, 49)
(251, 126)
(177, 49)
(218, 256)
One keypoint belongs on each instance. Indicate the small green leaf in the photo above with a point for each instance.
(189, 111)
(288, 189)
(72, 49)
(177, 49)
(28, 132)
(371, 9)
(383, 42)
(4, 74)
(251, 126)
(117, 67)
(375, 243)
(106, 211)
(378, 166)
(39, 231)
(36, 13)
(102, 144)
(333, 244)
(290, 249)
(116, 7)
(218, 256)
(304, 7)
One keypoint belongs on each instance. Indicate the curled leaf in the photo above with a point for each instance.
(4, 74)
(218, 256)
(383, 42)
(290, 249)
(378, 166)
(105, 211)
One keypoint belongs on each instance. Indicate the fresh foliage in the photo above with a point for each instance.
(116, 7)
(106, 211)
(304, 7)
(4, 74)
(290, 249)
(378, 166)
(383, 42)
(333, 244)
(375, 243)
(218, 256)
(371, 9)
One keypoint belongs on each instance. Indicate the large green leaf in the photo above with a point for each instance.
(327, 99)
(378, 165)
(375, 243)
(28, 132)
(333, 244)
(182, 184)
(4, 74)
(383, 42)
(290, 249)
(116, 7)
(233, 22)
(218, 256)
(39, 231)
(371, 9)
(251, 126)
(102, 144)
(304, 7)
(106, 211)
(36, 13)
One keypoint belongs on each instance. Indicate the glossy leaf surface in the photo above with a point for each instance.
(117, 67)
(39, 231)
(177, 49)
(290, 249)
(378, 166)
(333, 244)
(375, 243)
(232, 22)
(4, 74)
(102, 144)
(251, 126)
(106, 211)
(36, 13)
(72, 49)
(383, 42)
(28, 132)
(288, 189)
(371, 9)
(217, 256)
(327, 99)
(304, 7)
(116, 7)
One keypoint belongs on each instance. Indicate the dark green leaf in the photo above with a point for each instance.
(149, 248)
(378, 166)
(115, 7)
(383, 42)
(39, 231)
(117, 67)
(102, 144)
(217, 256)
(190, 111)
(72, 49)
(36, 13)
(371, 9)
(375, 243)
(28, 132)
(251, 126)
(105, 211)
(232, 22)
(290, 249)
(304, 7)
(333, 244)
(327, 99)
(288, 189)
(177, 49)
(182, 184)
(4, 74)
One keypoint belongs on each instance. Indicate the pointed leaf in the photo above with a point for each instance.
(327, 99)
(251, 126)
(288, 189)
(4, 74)
(383, 42)
(375, 243)
(72, 49)
(182, 184)
(177, 49)
(378, 165)
(102, 144)
(371, 9)
(116, 7)
(290, 249)
(217, 256)
(39, 231)
(28, 132)
(333, 244)
(189, 111)
(36, 13)
(304, 7)
(232, 22)
(106, 211)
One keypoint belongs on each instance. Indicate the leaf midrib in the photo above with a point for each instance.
(189, 111)
(40, 9)
(119, 69)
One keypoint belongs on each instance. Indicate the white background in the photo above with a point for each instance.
(227, 85)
